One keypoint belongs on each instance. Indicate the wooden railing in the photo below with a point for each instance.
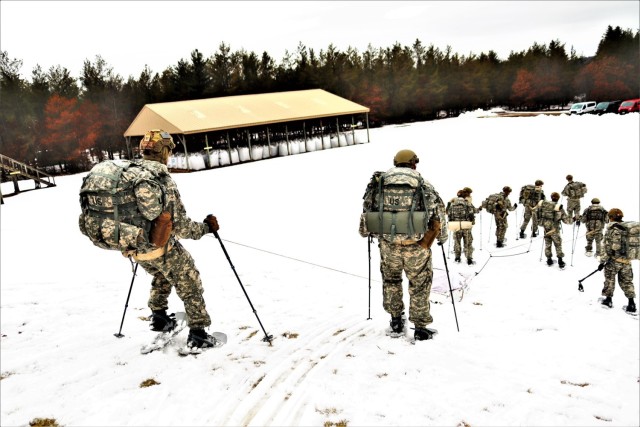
(15, 167)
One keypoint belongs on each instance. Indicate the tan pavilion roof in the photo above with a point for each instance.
(204, 115)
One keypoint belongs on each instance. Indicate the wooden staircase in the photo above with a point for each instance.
(17, 169)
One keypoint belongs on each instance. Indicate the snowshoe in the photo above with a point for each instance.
(606, 302)
(396, 324)
(199, 340)
(589, 253)
(423, 334)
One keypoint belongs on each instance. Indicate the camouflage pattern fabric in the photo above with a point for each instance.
(530, 215)
(500, 217)
(552, 227)
(594, 218)
(415, 261)
(625, 278)
(465, 235)
(177, 269)
(573, 208)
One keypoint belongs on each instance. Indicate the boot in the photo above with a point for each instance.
(607, 301)
(499, 244)
(457, 258)
(161, 322)
(422, 334)
(549, 261)
(631, 307)
(522, 234)
(397, 324)
(470, 261)
(199, 338)
(561, 263)
(534, 233)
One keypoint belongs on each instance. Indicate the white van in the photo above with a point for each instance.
(583, 107)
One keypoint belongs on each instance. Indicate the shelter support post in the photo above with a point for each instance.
(322, 134)
(207, 149)
(286, 134)
(186, 153)
(367, 116)
(229, 148)
(249, 141)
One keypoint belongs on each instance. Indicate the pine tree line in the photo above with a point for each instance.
(55, 118)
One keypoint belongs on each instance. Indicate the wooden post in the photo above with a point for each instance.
(286, 134)
(338, 131)
(269, 141)
(186, 153)
(249, 140)
(353, 131)
(321, 134)
(367, 116)
(229, 148)
(207, 149)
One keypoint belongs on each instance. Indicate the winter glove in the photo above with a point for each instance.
(601, 266)
(578, 222)
(212, 222)
(515, 205)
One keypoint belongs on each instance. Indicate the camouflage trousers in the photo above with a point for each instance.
(415, 261)
(177, 269)
(625, 278)
(529, 214)
(573, 208)
(501, 226)
(552, 236)
(458, 236)
(597, 236)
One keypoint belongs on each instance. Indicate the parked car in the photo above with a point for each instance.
(607, 107)
(629, 106)
(583, 107)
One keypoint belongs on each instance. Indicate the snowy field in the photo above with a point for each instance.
(530, 350)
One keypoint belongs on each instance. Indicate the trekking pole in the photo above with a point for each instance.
(369, 239)
(126, 304)
(480, 230)
(541, 246)
(489, 233)
(267, 338)
(573, 243)
(580, 288)
(450, 290)
(448, 246)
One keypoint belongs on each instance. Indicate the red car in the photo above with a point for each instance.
(629, 106)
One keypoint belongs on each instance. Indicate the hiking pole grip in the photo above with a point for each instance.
(267, 338)
(446, 267)
(126, 304)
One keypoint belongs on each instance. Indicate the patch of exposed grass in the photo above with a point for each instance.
(251, 335)
(598, 417)
(463, 423)
(575, 384)
(339, 331)
(44, 422)
(243, 327)
(350, 355)
(145, 318)
(341, 423)
(382, 375)
(259, 362)
(148, 383)
(257, 382)
(290, 335)
(327, 411)
(476, 303)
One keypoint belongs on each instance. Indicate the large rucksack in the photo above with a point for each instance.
(549, 211)
(624, 238)
(575, 190)
(596, 214)
(111, 217)
(493, 203)
(460, 210)
(396, 206)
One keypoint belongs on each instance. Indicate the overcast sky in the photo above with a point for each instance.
(129, 35)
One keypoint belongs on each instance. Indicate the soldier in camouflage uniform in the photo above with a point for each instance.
(614, 262)
(570, 191)
(530, 204)
(551, 214)
(410, 256)
(594, 218)
(172, 265)
(500, 215)
(461, 215)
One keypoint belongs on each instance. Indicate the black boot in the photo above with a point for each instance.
(534, 234)
(521, 234)
(397, 324)
(631, 307)
(499, 244)
(199, 338)
(549, 261)
(607, 301)
(561, 263)
(422, 334)
(161, 322)
(470, 261)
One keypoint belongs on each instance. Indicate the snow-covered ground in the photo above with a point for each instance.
(531, 349)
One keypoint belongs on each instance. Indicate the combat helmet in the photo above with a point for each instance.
(595, 201)
(405, 157)
(156, 145)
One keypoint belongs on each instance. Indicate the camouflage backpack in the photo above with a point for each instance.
(624, 239)
(110, 216)
(460, 210)
(529, 194)
(549, 210)
(596, 214)
(493, 203)
(575, 190)
(395, 205)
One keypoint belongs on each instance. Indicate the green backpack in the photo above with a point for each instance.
(493, 203)
(624, 239)
(110, 216)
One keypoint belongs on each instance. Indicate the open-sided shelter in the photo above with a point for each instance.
(259, 117)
